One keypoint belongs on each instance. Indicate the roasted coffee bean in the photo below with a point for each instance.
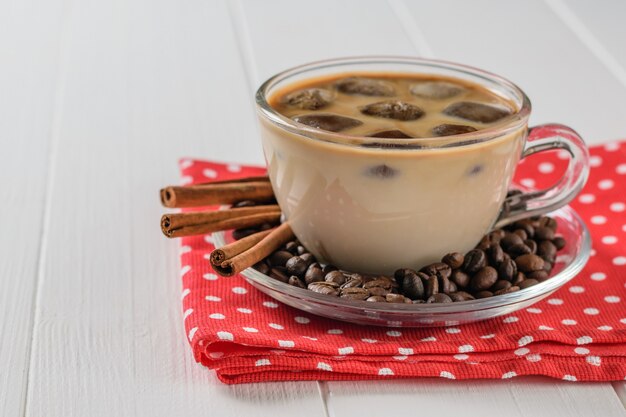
(460, 278)
(313, 274)
(432, 287)
(461, 296)
(520, 277)
(538, 275)
(495, 254)
(509, 240)
(301, 250)
(280, 258)
(353, 281)
(412, 285)
(483, 294)
(531, 244)
(484, 279)
(262, 267)
(335, 276)
(439, 298)
(529, 282)
(506, 290)
(507, 269)
(378, 291)
(445, 285)
(354, 293)
(296, 266)
(453, 287)
(279, 275)
(559, 242)
(546, 248)
(500, 285)
(544, 233)
(528, 263)
(308, 258)
(548, 222)
(454, 260)
(395, 298)
(296, 282)
(438, 269)
(382, 282)
(328, 268)
(323, 288)
(377, 299)
(292, 247)
(518, 250)
(474, 260)
(401, 273)
(526, 226)
(521, 233)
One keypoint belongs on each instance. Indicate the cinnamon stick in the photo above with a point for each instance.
(256, 189)
(194, 223)
(274, 240)
(233, 249)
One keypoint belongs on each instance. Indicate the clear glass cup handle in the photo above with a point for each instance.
(534, 203)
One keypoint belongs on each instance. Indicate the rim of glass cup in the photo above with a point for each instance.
(511, 123)
(552, 284)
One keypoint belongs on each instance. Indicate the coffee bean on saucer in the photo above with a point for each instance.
(292, 247)
(280, 258)
(506, 290)
(521, 233)
(526, 226)
(452, 286)
(460, 278)
(382, 282)
(483, 294)
(439, 298)
(380, 291)
(507, 269)
(412, 285)
(495, 254)
(461, 296)
(528, 283)
(519, 278)
(453, 259)
(395, 298)
(445, 285)
(296, 282)
(548, 222)
(438, 269)
(353, 281)
(296, 265)
(354, 293)
(308, 258)
(474, 260)
(323, 288)
(432, 287)
(509, 240)
(529, 262)
(484, 279)
(313, 273)
(559, 242)
(335, 276)
(544, 233)
(377, 299)
(262, 267)
(500, 285)
(518, 250)
(279, 275)
(538, 275)
(531, 244)
(546, 248)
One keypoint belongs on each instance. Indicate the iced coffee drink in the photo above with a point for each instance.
(373, 177)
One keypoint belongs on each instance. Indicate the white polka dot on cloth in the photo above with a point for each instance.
(611, 146)
(621, 169)
(511, 319)
(192, 332)
(555, 301)
(584, 340)
(609, 240)
(324, 366)
(394, 333)
(545, 328)
(605, 328)
(276, 326)
(301, 320)
(216, 355)
(270, 304)
(587, 198)
(508, 375)
(527, 182)
(210, 173)
(533, 357)
(521, 351)
(250, 329)
(595, 161)
(347, 350)
(466, 348)
(591, 311)
(385, 371)
(488, 336)
(619, 260)
(233, 168)
(598, 276)
(534, 310)
(569, 378)
(239, 290)
(581, 351)
(335, 331)
(617, 207)
(446, 374)
(286, 343)
(594, 360)
(405, 351)
(461, 356)
(612, 299)
(598, 219)
(217, 316)
(606, 184)
(225, 336)
(213, 298)
(577, 289)
(262, 362)
(429, 339)
(546, 167)
(369, 340)
(569, 322)
(244, 310)
(453, 330)
(210, 277)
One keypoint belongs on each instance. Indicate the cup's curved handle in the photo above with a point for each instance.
(534, 203)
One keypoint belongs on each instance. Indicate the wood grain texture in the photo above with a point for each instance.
(30, 38)
(147, 83)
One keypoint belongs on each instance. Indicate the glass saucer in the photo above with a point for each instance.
(570, 261)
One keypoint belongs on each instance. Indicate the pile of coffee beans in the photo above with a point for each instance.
(505, 260)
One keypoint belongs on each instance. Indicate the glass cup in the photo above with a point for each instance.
(445, 192)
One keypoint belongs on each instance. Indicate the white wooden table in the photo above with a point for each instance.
(98, 100)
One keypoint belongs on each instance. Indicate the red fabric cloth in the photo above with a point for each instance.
(576, 334)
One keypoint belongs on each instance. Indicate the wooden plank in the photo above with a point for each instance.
(434, 397)
(147, 82)
(267, 25)
(533, 47)
(30, 43)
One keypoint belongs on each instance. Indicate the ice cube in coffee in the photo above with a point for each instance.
(377, 180)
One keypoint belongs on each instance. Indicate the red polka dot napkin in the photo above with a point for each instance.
(577, 334)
